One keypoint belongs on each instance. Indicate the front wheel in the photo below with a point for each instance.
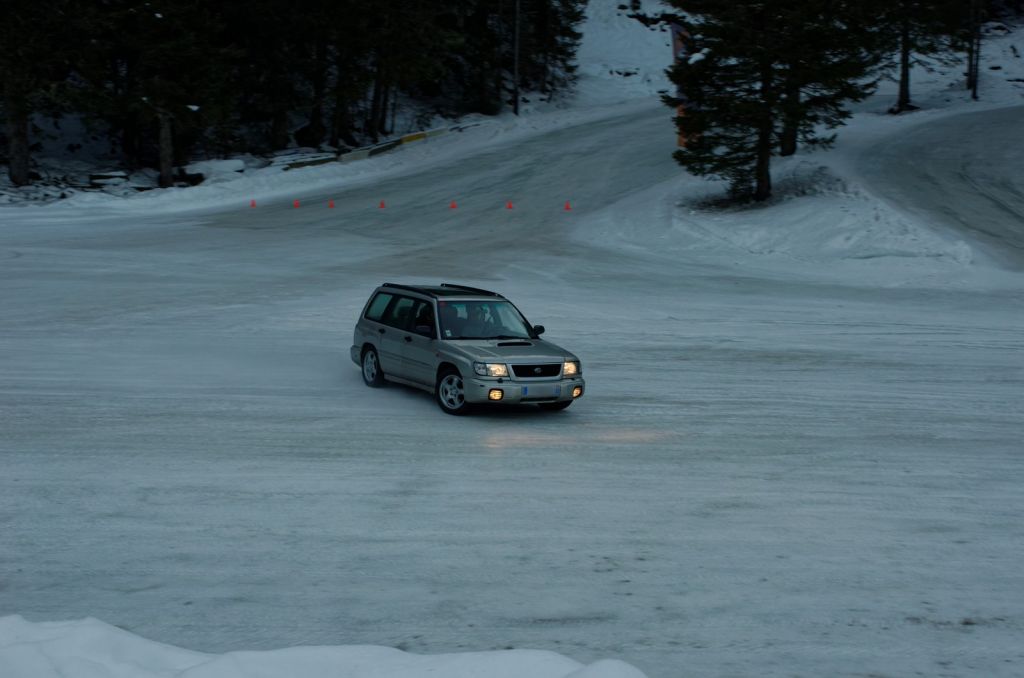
(451, 393)
(372, 374)
(554, 407)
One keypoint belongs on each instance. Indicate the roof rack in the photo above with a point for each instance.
(474, 290)
(410, 288)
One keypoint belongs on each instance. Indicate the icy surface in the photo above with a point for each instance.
(799, 453)
(780, 466)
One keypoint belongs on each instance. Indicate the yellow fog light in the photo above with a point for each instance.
(495, 394)
(577, 392)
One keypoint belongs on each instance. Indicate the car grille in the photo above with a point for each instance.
(543, 370)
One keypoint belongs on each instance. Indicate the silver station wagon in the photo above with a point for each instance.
(465, 345)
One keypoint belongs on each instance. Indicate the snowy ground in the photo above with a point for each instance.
(799, 453)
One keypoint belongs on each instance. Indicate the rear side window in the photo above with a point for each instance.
(399, 313)
(377, 306)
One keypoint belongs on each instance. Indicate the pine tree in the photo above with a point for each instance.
(37, 41)
(549, 43)
(911, 30)
(408, 44)
(268, 37)
(508, 46)
(759, 74)
(474, 76)
(151, 72)
(831, 47)
(163, 78)
(350, 43)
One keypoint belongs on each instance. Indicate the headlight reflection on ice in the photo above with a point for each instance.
(572, 438)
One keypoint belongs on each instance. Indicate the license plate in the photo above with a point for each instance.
(539, 390)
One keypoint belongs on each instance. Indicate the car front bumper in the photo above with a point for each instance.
(516, 392)
(356, 358)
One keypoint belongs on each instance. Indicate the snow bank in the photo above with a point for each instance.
(90, 648)
(818, 225)
(217, 170)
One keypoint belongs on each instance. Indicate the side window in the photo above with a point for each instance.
(399, 313)
(423, 316)
(377, 306)
(453, 317)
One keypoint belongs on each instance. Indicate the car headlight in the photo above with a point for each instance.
(491, 369)
(571, 368)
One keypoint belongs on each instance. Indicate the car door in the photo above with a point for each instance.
(419, 344)
(392, 336)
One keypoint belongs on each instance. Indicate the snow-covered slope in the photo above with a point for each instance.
(619, 57)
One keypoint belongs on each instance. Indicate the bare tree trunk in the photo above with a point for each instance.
(903, 100)
(515, 62)
(341, 121)
(315, 129)
(372, 124)
(976, 17)
(762, 169)
(499, 92)
(791, 119)
(394, 108)
(130, 141)
(17, 136)
(498, 74)
(279, 129)
(977, 66)
(385, 98)
(973, 45)
(166, 149)
(970, 56)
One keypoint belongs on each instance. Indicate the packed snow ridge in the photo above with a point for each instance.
(92, 649)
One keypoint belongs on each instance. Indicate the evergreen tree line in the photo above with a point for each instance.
(165, 80)
(761, 77)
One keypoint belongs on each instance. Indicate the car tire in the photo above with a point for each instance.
(450, 392)
(555, 407)
(373, 375)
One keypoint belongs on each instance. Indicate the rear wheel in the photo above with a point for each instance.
(554, 407)
(372, 374)
(451, 392)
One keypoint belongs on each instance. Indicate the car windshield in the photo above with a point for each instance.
(482, 320)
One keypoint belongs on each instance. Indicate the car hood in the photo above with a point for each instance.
(510, 350)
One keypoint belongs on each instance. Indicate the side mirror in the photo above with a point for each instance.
(425, 330)
(538, 330)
